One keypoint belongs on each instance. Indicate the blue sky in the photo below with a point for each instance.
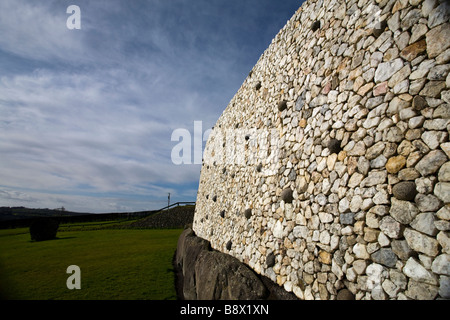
(86, 116)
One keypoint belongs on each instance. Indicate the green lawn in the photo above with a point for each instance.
(115, 264)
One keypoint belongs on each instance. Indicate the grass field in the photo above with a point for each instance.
(115, 264)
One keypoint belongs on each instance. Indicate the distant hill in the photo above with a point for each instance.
(176, 217)
(16, 213)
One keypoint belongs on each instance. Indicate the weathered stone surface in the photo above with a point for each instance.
(189, 247)
(384, 256)
(442, 191)
(434, 138)
(421, 243)
(222, 277)
(416, 271)
(444, 173)
(431, 163)
(386, 70)
(391, 227)
(421, 291)
(403, 211)
(427, 202)
(441, 265)
(437, 40)
(402, 249)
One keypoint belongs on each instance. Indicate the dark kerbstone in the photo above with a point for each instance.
(287, 195)
(270, 260)
(189, 247)
(248, 213)
(405, 190)
(229, 244)
(334, 146)
(223, 277)
(419, 103)
(315, 26)
(379, 29)
(282, 105)
(345, 294)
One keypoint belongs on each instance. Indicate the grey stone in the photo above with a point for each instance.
(384, 256)
(424, 222)
(439, 72)
(441, 265)
(411, 18)
(375, 150)
(374, 178)
(439, 15)
(413, 269)
(394, 134)
(434, 138)
(347, 218)
(403, 211)
(437, 40)
(421, 243)
(299, 103)
(444, 287)
(402, 249)
(386, 70)
(390, 227)
(442, 191)
(431, 162)
(444, 173)
(421, 291)
(444, 240)
(428, 202)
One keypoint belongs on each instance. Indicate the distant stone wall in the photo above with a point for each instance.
(329, 169)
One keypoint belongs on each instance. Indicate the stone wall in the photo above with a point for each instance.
(329, 169)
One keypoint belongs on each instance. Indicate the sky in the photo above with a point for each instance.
(87, 115)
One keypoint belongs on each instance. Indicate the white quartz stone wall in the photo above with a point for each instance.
(329, 169)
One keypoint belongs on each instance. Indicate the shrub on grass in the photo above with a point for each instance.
(44, 229)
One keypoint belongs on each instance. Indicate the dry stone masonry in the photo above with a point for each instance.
(329, 170)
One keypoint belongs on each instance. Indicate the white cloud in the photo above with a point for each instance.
(92, 110)
(35, 30)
